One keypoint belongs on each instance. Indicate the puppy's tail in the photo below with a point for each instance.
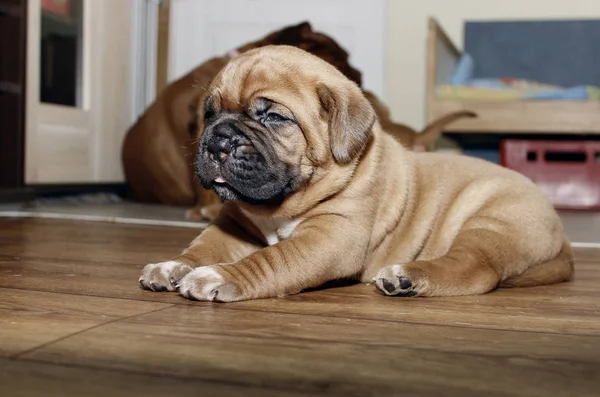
(432, 132)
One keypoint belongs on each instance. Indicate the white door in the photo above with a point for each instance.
(78, 90)
(201, 29)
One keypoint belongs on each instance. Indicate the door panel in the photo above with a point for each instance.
(78, 92)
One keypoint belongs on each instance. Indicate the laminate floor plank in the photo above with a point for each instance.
(94, 241)
(29, 319)
(26, 378)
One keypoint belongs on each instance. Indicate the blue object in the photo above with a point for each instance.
(464, 70)
(491, 155)
(573, 94)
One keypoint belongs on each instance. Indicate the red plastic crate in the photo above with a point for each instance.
(568, 172)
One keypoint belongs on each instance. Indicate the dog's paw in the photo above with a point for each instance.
(207, 213)
(399, 280)
(209, 283)
(163, 276)
(194, 214)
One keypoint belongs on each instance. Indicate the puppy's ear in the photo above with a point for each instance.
(351, 118)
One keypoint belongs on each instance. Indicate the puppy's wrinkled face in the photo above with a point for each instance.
(250, 153)
(271, 118)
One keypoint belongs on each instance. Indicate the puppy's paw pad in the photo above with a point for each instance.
(163, 276)
(208, 284)
(393, 281)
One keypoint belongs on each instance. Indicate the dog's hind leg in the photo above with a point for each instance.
(478, 261)
(553, 271)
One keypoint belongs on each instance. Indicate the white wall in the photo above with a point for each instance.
(407, 35)
(201, 29)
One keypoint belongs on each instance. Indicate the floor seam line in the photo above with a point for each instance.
(88, 295)
(19, 355)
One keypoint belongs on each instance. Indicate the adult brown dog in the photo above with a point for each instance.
(315, 191)
(158, 151)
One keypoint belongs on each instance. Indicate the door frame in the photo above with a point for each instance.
(144, 70)
(140, 78)
(142, 83)
(13, 128)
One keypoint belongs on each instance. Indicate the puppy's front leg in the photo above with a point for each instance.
(224, 241)
(320, 249)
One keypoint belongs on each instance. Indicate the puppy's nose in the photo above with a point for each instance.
(219, 149)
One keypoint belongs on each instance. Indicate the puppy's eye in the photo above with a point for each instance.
(209, 110)
(274, 117)
(208, 113)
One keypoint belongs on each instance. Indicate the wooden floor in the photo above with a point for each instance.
(73, 322)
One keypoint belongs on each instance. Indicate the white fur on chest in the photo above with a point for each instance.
(274, 230)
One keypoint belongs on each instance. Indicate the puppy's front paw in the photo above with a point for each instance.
(163, 276)
(209, 283)
(400, 280)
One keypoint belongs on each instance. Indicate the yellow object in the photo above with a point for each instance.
(593, 93)
(478, 93)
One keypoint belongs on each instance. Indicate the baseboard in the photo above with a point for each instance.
(32, 192)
